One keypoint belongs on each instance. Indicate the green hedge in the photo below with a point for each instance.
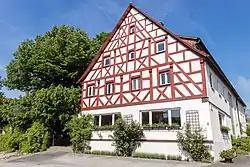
(99, 152)
(174, 157)
(241, 144)
(149, 155)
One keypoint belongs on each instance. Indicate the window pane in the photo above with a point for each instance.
(106, 120)
(168, 77)
(145, 118)
(176, 117)
(131, 55)
(159, 117)
(106, 61)
(96, 120)
(136, 83)
(163, 79)
(160, 47)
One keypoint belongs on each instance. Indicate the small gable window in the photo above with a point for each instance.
(131, 55)
(132, 29)
(106, 61)
(91, 90)
(109, 88)
(164, 78)
(160, 47)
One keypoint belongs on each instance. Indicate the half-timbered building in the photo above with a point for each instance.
(150, 75)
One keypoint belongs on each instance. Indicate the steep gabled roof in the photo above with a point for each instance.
(191, 42)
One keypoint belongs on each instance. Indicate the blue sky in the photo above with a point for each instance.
(223, 25)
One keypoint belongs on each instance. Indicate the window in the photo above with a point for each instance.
(132, 29)
(221, 118)
(210, 80)
(136, 85)
(106, 61)
(106, 120)
(131, 55)
(223, 91)
(176, 117)
(91, 91)
(96, 120)
(110, 88)
(159, 117)
(145, 118)
(162, 116)
(164, 78)
(160, 47)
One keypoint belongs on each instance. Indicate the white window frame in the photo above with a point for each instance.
(211, 79)
(104, 61)
(159, 43)
(138, 83)
(100, 118)
(167, 110)
(110, 88)
(91, 90)
(167, 80)
(129, 55)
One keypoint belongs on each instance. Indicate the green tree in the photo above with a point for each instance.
(80, 132)
(248, 129)
(58, 57)
(1, 93)
(126, 137)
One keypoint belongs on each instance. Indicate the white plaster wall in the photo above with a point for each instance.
(152, 146)
(220, 98)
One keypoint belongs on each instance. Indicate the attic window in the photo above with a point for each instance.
(132, 29)
(106, 61)
(131, 55)
(160, 47)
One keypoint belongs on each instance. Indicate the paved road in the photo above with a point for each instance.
(64, 158)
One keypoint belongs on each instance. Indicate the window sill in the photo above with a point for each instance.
(161, 128)
(103, 128)
(163, 85)
(106, 66)
(135, 90)
(131, 59)
(160, 52)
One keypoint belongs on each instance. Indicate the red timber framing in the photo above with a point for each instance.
(184, 62)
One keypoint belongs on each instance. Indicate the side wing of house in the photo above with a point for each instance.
(140, 48)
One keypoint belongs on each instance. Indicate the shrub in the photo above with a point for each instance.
(248, 129)
(228, 155)
(241, 152)
(80, 132)
(126, 137)
(149, 155)
(105, 127)
(192, 142)
(35, 139)
(10, 141)
(174, 157)
(241, 144)
(98, 152)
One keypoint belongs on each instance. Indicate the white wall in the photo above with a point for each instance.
(219, 98)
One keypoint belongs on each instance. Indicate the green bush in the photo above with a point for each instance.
(174, 157)
(149, 155)
(80, 132)
(241, 144)
(35, 139)
(241, 152)
(100, 152)
(126, 137)
(106, 127)
(193, 143)
(248, 129)
(228, 155)
(224, 129)
(10, 141)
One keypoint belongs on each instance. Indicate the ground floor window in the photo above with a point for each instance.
(163, 116)
(105, 119)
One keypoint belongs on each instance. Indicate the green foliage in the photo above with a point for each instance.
(126, 137)
(58, 57)
(241, 152)
(174, 157)
(80, 132)
(228, 155)
(105, 127)
(193, 143)
(35, 139)
(99, 152)
(241, 144)
(149, 155)
(225, 129)
(11, 140)
(248, 130)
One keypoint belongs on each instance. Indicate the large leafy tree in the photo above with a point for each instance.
(1, 93)
(58, 57)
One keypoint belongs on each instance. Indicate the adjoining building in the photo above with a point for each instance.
(148, 74)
